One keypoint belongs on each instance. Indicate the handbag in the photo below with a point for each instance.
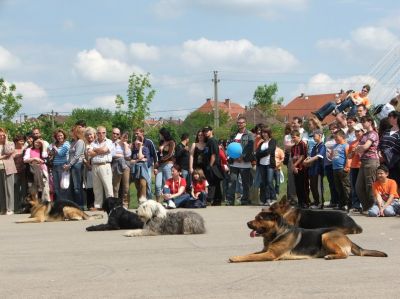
(64, 183)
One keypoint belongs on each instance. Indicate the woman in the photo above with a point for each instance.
(265, 155)
(20, 182)
(121, 169)
(59, 150)
(174, 191)
(163, 167)
(7, 171)
(36, 156)
(389, 147)
(328, 168)
(139, 168)
(90, 136)
(75, 164)
(196, 159)
(367, 149)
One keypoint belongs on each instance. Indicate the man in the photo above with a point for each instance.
(37, 135)
(387, 108)
(352, 101)
(361, 111)
(152, 159)
(213, 172)
(182, 156)
(242, 165)
(100, 152)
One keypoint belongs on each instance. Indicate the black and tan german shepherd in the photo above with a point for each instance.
(306, 218)
(59, 210)
(283, 241)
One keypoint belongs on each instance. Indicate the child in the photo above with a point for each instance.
(385, 193)
(341, 168)
(199, 190)
(298, 153)
(315, 164)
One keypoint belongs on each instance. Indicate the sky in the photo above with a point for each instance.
(72, 54)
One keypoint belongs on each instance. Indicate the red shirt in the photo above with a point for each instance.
(174, 185)
(199, 186)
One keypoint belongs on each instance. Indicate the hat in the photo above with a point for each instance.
(318, 131)
(207, 128)
(358, 127)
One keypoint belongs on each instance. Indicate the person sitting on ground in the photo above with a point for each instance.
(174, 191)
(199, 190)
(353, 100)
(385, 193)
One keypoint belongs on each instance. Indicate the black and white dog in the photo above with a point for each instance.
(118, 217)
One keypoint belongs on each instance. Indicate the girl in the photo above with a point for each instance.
(199, 190)
(174, 191)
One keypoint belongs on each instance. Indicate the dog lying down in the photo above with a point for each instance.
(306, 218)
(118, 217)
(160, 222)
(283, 241)
(59, 210)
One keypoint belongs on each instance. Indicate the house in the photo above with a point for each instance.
(303, 105)
(255, 116)
(159, 122)
(233, 109)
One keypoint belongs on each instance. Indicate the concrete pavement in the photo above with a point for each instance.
(62, 260)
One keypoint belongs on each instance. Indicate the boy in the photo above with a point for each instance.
(298, 153)
(341, 167)
(315, 164)
(385, 193)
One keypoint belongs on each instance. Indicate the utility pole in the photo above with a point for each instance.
(52, 119)
(216, 107)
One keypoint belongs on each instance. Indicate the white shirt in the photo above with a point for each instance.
(265, 160)
(386, 109)
(105, 158)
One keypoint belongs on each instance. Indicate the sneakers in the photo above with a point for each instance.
(314, 207)
(10, 213)
(171, 204)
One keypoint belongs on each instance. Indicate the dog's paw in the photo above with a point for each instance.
(133, 233)
(233, 259)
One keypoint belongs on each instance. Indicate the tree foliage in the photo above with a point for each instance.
(265, 99)
(139, 96)
(197, 120)
(10, 101)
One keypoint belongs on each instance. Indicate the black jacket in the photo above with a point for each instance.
(269, 151)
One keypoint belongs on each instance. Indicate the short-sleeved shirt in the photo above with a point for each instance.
(372, 151)
(199, 186)
(317, 168)
(210, 149)
(298, 150)
(339, 156)
(385, 189)
(355, 160)
(361, 100)
(174, 185)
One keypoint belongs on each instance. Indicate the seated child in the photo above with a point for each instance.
(199, 190)
(386, 196)
(174, 191)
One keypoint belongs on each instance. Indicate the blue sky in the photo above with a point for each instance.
(69, 54)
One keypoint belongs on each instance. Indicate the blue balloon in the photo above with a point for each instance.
(234, 150)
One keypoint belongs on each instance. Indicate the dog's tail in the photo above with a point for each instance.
(92, 217)
(357, 250)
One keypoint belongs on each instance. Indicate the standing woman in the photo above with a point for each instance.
(60, 151)
(20, 181)
(196, 159)
(166, 151)
(7, 170)
(90, 136)
(367, 149)
(265, 155)
(75, 163)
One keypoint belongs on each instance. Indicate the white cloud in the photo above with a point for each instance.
(334, 43)
(106, 102)
(236, 54)
(142, 51)
(111, 48)
(378, 38)
(8, 60)
(92, 65)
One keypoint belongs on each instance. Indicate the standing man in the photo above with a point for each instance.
(182, 156)
(152, 159)
(214, 173)
(242, 165)
(100, 152)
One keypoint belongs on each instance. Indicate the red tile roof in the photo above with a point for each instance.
(233, 109)
(303, 105)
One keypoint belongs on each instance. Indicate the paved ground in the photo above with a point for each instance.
(61, 260)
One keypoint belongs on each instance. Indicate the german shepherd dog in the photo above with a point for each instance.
(283, 241)
(306, 218)
(58, 210)
(118, 217)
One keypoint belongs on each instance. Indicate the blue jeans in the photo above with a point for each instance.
(267, 188)
(247, 179)
(164, 173)
(391, 210)
(181, 200)
(325, 110)
(57, 173)
(76, 173)
(348, 103)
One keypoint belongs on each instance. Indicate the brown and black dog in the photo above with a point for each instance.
(283, 241)
(306, 218)
(58, 210)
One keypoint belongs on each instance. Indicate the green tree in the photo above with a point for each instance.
(10, 101)
(197, 120)
(265, 99)
(139, 96)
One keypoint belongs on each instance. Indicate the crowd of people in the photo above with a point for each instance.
(360, 161)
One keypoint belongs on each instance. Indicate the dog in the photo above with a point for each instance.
(118, 217)
(59, 210)
(160, 222)
(306, 218)
(283, 241)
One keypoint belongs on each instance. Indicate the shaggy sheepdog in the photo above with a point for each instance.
(118, 217)
(160, 222)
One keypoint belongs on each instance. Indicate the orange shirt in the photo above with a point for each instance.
(359, 100)
(385, 189)
(355, 159)
(279, 157)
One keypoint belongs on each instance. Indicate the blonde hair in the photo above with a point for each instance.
(200, 172)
